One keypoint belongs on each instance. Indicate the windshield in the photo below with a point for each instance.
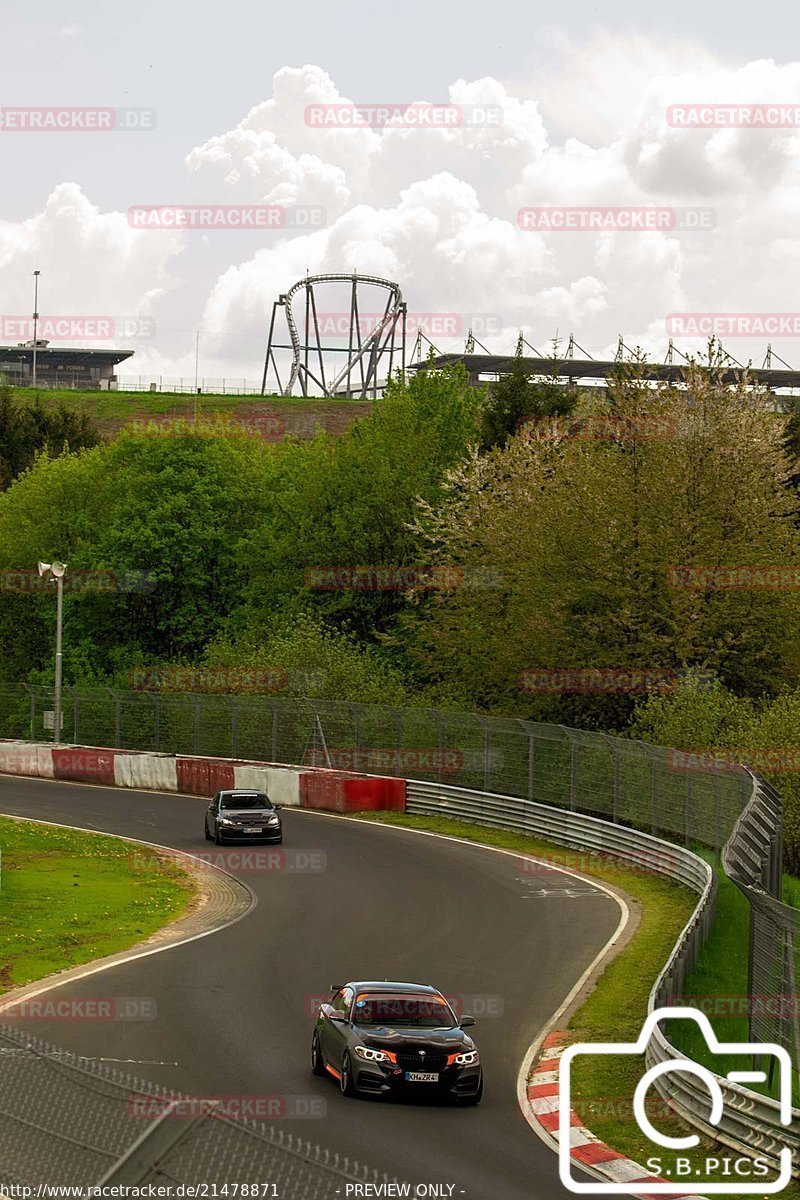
(428, 1012)
(246, 800)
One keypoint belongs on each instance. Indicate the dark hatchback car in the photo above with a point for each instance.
(243, 815)
(393, 1038)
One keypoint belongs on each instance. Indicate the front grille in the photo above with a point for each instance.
(412, 1060)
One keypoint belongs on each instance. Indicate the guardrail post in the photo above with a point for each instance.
(275, 722)
(751, 955)
(234, 728)
(573, 774)
(32, 695)
(440, 764)
(531, 764)
(156, 721)
(357, 743)
(398, 724)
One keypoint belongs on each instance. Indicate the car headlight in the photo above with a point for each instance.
(468, 1059)
(371, 1055)
(274, 819)
(227, 821)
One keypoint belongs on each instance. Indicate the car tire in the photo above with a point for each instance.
(217, 836)
(471, 1101)
(317, 1061)
(346, 1084)
(205, 831)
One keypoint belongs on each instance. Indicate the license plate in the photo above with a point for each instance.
(421, 1077)
(258, 830)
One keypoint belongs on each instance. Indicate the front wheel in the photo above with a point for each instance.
(205, 831)
(346, 1084)
(217, 836)
(317, 1064)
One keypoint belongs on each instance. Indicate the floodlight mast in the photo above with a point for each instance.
(57, 570)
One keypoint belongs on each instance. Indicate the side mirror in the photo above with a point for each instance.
(277, 807)
(465, 1022)
(331, 1014)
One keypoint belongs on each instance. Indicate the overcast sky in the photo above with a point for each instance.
(579, 102)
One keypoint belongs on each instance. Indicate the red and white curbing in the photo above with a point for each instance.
(194, 775)
(586, 1150)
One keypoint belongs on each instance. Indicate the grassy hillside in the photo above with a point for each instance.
(274, 415)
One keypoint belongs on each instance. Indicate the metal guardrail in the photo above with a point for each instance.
(751, 1122)
(71, 1121)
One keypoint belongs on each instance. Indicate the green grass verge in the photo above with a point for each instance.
(718, 985)
(602, 1086)
(126, 406)
(69, 897)
(791, 891)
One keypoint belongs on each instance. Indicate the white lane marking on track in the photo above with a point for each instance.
(139, 1062)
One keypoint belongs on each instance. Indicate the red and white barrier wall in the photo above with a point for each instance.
(307, 787)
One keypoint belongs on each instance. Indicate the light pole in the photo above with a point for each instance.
(35, 319)
(57, 570)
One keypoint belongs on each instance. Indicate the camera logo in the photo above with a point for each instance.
(691, 1179)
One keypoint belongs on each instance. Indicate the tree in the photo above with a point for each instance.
(29, 429)
(347, 502)
(160, 512)
(619, 551)
(518, 398)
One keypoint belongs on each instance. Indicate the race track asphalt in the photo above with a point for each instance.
(234, 1010)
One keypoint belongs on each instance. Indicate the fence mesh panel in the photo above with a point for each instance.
(66, 1120)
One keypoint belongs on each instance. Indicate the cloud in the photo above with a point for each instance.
(92, 263)
(437, 209)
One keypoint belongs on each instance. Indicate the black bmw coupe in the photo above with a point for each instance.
(385, 1038)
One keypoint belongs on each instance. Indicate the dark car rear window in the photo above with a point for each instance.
(246, 800)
